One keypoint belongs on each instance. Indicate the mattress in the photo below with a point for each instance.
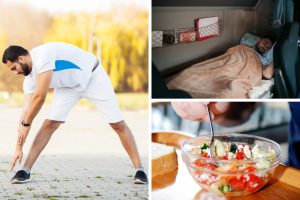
(263, 90)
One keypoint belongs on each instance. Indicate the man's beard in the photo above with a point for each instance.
(258, 50)
(26, 69)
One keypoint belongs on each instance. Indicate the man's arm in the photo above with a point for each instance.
(268, 71)
(27, 102)
(35, 103)
(32, 105)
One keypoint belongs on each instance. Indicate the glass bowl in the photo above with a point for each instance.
(236, 176)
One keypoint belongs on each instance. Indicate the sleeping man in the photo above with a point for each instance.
(230, 75)
(264, 48)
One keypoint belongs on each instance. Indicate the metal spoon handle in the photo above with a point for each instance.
(211, 146)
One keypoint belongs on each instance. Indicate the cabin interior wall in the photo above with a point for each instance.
(234, 23)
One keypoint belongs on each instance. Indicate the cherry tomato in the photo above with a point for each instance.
(240, 155)
(254, 183)
(205, 155)
(211, 166)
(224, 157)
(205, 165)
(199, 163)
(237, 183)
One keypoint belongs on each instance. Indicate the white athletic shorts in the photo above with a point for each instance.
(99, 91)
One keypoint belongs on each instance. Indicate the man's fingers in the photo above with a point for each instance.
(11, 166)
(195, 111)
(217, 109)
(206, 118)
(13, 163)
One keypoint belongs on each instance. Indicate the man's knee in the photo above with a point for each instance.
(51, 124)
(118, 126)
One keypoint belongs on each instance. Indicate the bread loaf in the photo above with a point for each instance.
(164, 159)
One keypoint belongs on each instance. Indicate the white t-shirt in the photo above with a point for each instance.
(72, 66)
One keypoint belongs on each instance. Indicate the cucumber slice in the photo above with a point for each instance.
(225, 188)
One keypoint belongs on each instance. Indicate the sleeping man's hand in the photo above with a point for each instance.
(268, 71)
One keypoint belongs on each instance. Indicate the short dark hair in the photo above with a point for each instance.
(12, 53)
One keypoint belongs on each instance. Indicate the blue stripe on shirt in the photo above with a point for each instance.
(64, 64)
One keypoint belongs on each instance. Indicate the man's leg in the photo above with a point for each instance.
(40, 141)
(128, 142)
(101, 93)
(63, 100)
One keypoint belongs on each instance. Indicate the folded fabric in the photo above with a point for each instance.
(262, 90)
(230, 75)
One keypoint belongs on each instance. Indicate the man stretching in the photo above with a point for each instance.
(74, 74)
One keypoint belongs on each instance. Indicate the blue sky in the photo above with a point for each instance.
(54, 6)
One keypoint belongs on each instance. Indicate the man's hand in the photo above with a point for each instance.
(23, 132)
(17, 157)
(268, 71)
(196, 111)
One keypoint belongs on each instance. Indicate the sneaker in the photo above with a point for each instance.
(140, 178)
(20, 177)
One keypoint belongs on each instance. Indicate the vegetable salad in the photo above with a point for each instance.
(238, 168)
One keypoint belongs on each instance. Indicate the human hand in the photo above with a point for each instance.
(268, 71)
(16, 157)
(196, 111)
(23, 132)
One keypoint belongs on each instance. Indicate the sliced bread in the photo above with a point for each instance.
(164, 159)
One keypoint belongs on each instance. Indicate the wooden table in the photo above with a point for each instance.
(179, 185)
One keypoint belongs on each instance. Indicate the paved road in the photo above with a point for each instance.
(84, 159)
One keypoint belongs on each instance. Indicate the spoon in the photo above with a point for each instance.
(211, 145)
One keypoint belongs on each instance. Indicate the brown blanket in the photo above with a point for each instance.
(230, 75)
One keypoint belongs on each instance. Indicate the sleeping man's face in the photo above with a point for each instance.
(263, 45)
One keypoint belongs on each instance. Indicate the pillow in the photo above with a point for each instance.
(249, 40)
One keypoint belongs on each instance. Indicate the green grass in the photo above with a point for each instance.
(127, 101)
(49, 197)
(83, 196)
(52, 198)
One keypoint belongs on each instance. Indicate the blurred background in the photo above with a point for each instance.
(269, 119)
(114, 30)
